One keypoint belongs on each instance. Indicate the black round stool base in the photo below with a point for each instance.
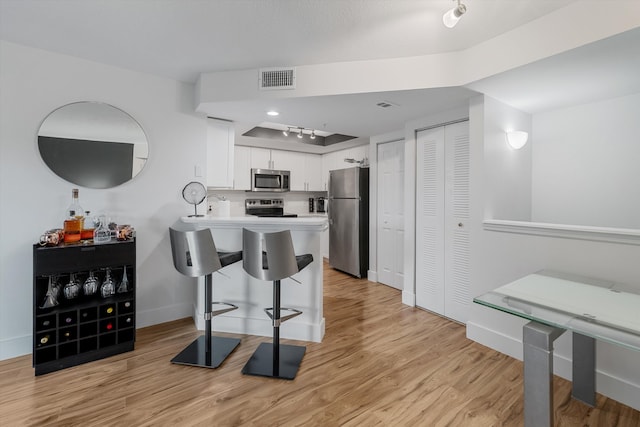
(195, 355)
(261, 362)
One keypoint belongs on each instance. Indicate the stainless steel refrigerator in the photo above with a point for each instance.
(349, 220)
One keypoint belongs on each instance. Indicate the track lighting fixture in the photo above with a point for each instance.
(299, 132)
(451, 18)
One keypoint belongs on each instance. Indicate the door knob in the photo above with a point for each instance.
(460, 224)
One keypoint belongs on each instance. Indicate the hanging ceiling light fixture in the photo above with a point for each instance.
(286, 132)
(451, 18)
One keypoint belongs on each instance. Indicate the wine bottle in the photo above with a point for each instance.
(74, 219)
(75, 210)
(44, 339)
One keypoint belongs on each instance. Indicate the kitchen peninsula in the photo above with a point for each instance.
(252, 296)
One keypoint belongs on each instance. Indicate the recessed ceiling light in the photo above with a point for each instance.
(273, 113)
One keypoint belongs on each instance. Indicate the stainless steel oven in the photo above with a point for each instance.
(269, 180)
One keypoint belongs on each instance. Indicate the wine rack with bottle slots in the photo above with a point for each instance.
(71, 331)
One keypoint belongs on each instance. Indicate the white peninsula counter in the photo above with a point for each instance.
(252, 296)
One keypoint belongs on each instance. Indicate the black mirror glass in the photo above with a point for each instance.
(92, 144)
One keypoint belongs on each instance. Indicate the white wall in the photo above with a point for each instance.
(499, 258)
(507, 171)
(33, 199)
(585, 164)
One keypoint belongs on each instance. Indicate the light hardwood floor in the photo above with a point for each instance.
(381, 364)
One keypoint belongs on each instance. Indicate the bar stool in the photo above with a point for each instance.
(195, 255)
(270, 256)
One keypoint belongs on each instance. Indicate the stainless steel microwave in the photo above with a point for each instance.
(269, 180)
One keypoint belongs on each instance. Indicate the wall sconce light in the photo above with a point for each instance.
(299, 133)
(517, 139)
(451, 18)
(286, 132)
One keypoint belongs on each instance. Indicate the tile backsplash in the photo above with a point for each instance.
(294, 202)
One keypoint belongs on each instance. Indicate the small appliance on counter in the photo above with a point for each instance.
(321, 205)
(266, 208)
(312, 203)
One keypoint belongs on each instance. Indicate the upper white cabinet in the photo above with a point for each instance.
(242, 169)
(313, 172)
(220, 153)
(264, 158)
(335, 160)
(305, 168)
(261, 158)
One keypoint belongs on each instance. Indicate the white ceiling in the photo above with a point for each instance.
(179, 39)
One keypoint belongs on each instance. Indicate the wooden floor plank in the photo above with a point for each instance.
(381, 364)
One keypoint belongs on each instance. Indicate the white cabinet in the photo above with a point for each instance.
(294, 163)
(335, 160)
(264, 158)
(305, 169)
(242, 169)
(331, 161)
(261, 158)
(313, 172)
(306, 172)
(220, 153)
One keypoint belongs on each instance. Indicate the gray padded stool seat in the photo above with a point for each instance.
(195, 255)
(270, 256)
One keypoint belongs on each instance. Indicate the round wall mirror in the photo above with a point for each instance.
(92, 144)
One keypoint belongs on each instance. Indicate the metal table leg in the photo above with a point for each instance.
(538, 373)
(584, 369)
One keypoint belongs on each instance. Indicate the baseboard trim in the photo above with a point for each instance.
(606, 384)
(408, 298)
(372, 276)
(262, 327)
(165, 314)
(16, 346)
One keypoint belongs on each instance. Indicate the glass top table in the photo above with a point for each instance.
(556, 302)
(606, 311)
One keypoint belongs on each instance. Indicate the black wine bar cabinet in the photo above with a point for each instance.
(83, 303)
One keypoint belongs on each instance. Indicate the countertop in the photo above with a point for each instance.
(305, 222)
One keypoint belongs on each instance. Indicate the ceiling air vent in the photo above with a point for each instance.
(386, 104)
(277, 78)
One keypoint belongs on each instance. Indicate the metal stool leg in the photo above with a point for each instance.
(276, 360)
(207, 351)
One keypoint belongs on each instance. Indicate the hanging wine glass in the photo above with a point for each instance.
(124, 284)
(51, 298)
(72, 289)
(90, 286)
(108, 287)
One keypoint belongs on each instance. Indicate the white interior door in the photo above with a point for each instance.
(457, 298)
(390, 227)
(442, 211)
(430, 220)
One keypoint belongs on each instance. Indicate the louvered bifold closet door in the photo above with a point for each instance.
(430, 220)
(442, 212)
(456, 265)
